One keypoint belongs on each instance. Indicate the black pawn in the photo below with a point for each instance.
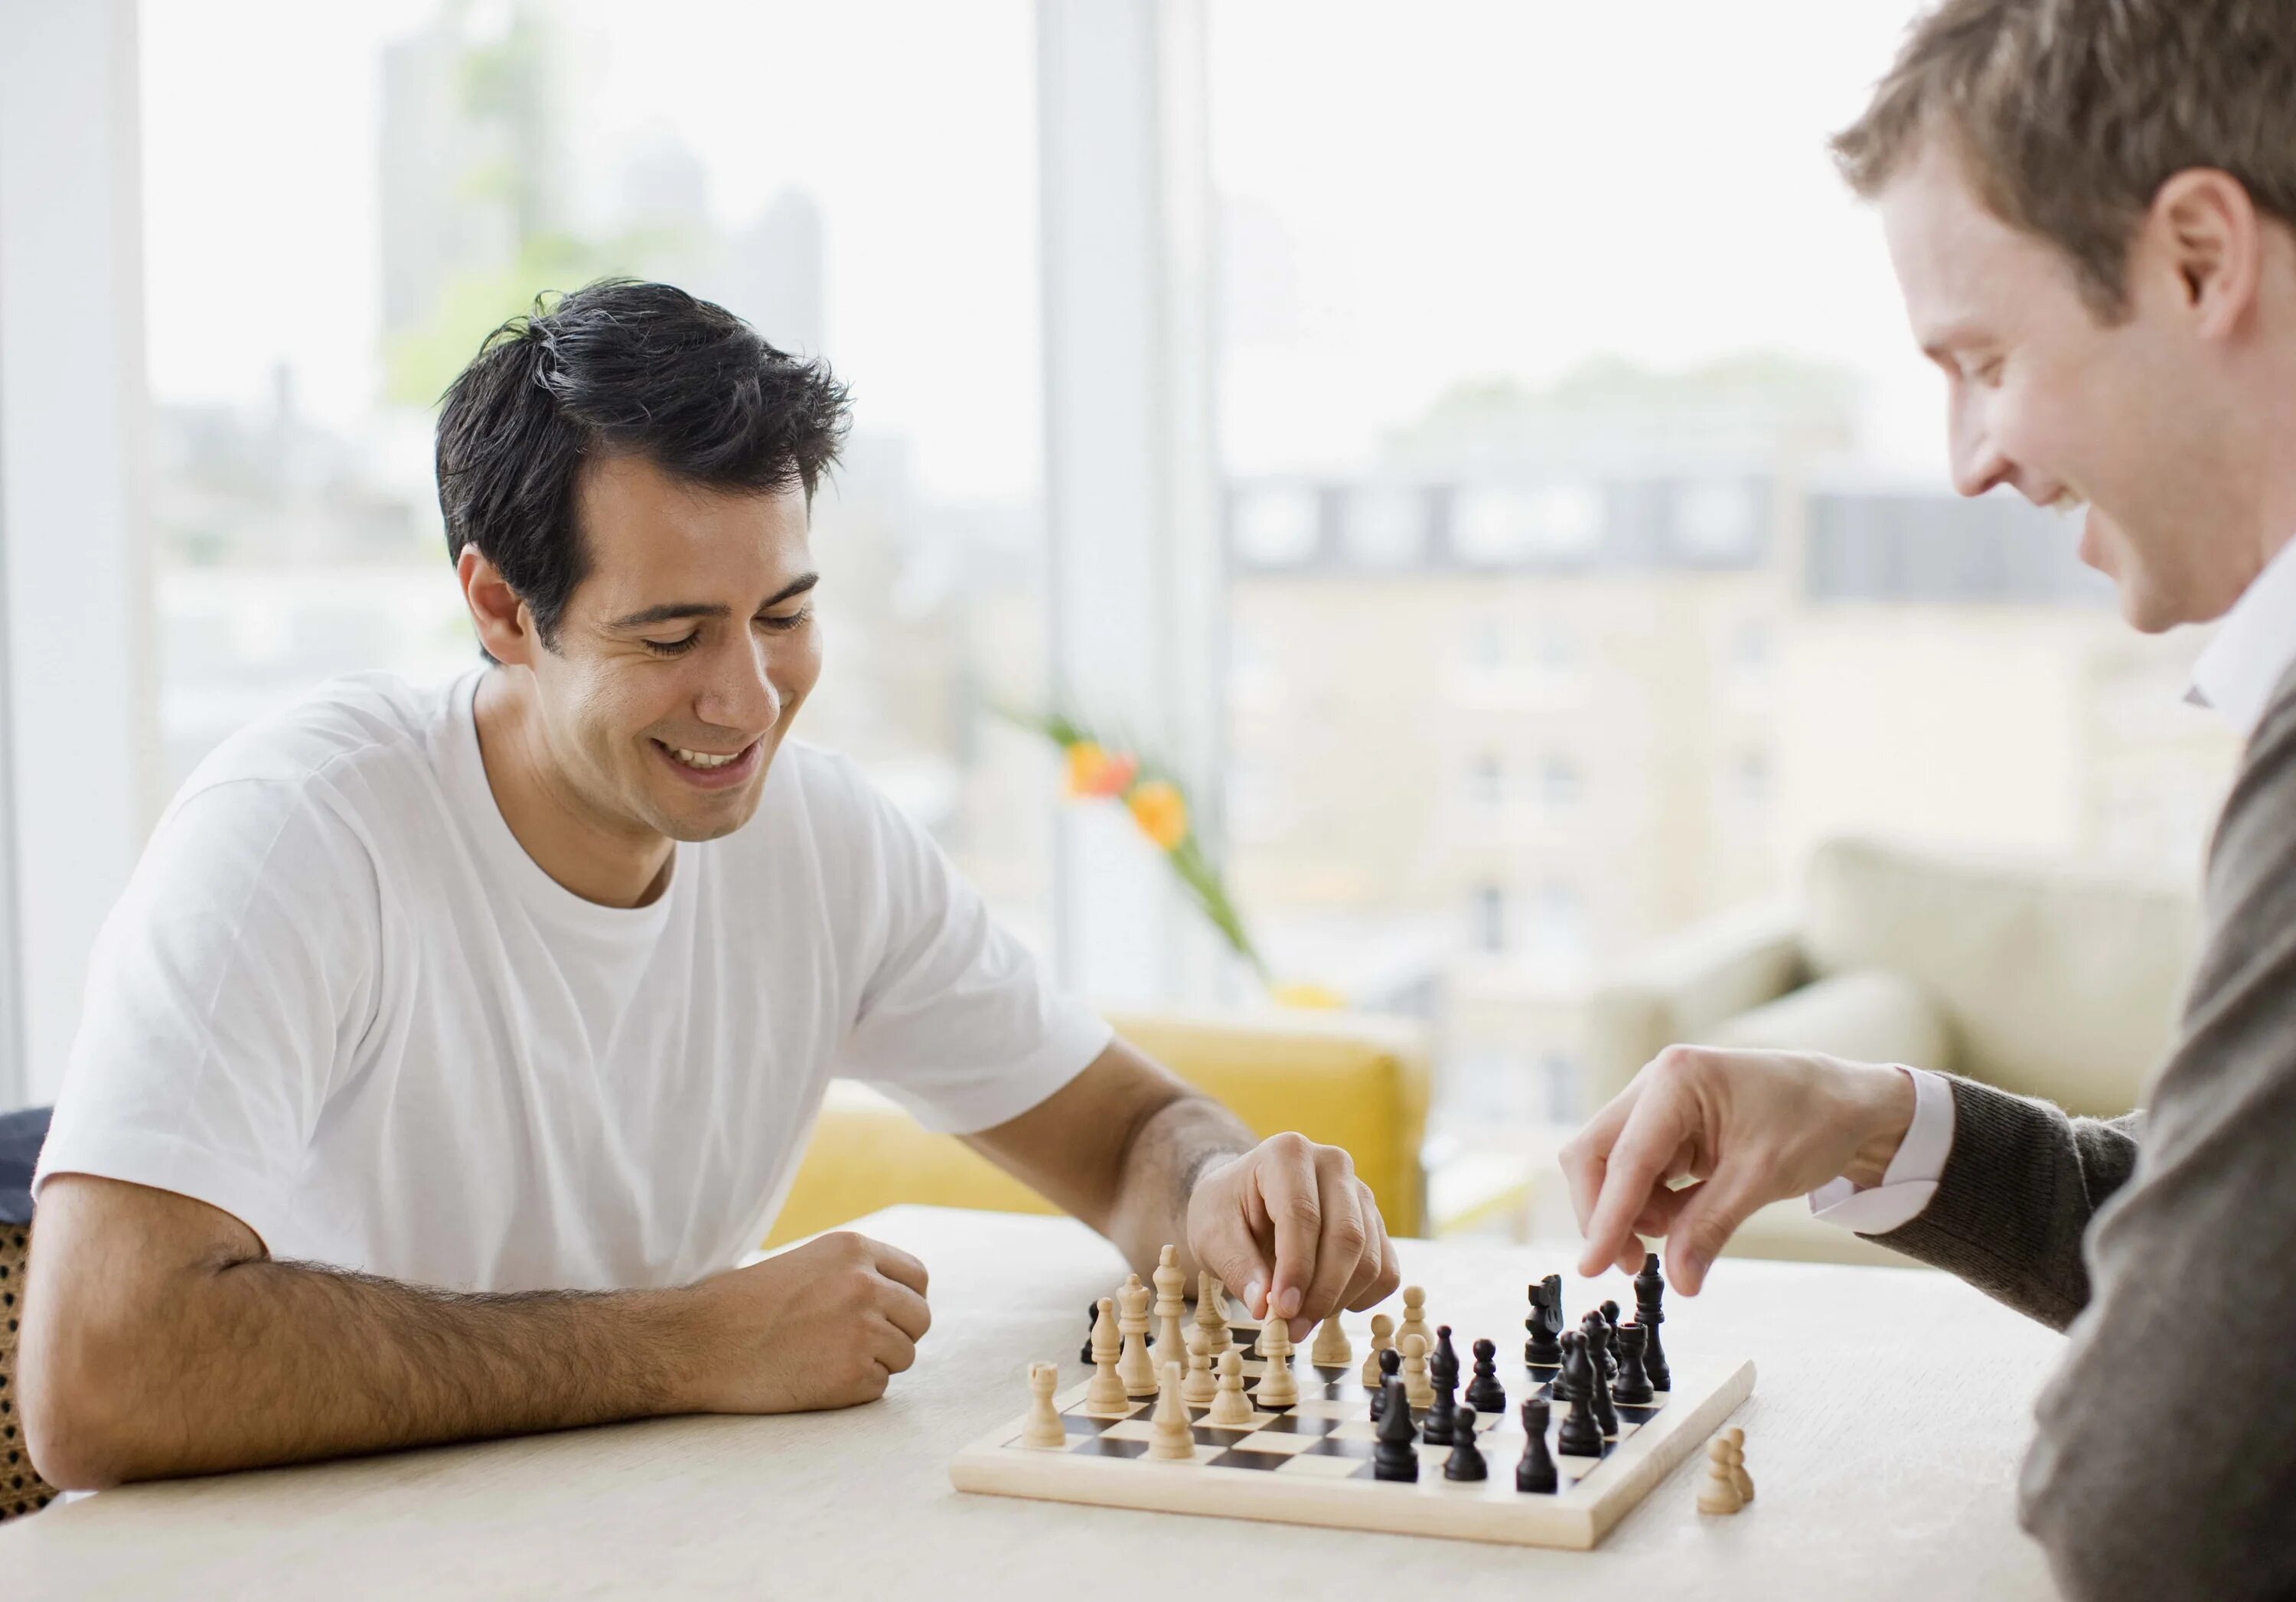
(1634, 1387)
(1484, 1394)
(1564, 1385)
(1091, 1322)
(1649, 1292)
(1545, 1323)
(1536, 1472)
(1580, 1436)
(1597, 1337)
(1396, 1457)
(1466, 1459)
(1390, 1365)
(1610, 1312)
(1606, 1416)
(1443, 1371)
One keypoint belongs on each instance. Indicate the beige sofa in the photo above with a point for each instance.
(2045, 980)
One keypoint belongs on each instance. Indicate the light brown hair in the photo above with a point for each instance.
(2070, 114)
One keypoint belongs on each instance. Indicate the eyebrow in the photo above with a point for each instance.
(672, 612)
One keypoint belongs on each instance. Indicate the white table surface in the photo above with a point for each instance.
(1890, 1412)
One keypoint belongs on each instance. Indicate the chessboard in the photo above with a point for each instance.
(1310, 1462)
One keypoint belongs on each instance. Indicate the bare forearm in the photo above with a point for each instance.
(262, 1362)
(1167, 1154)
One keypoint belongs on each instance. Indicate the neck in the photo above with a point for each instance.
(606, 860)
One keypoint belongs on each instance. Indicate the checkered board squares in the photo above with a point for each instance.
(1311, 1464)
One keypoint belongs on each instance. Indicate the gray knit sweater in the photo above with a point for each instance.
(2164, 1244)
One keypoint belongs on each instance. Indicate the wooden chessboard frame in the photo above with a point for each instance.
(1577, 1517)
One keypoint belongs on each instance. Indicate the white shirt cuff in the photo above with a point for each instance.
(1910, 1181)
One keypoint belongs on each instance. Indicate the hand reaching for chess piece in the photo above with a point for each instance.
(1749, 1127)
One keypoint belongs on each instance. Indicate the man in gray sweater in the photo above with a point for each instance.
(2089, 206)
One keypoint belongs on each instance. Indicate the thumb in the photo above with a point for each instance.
(1709, 1214)
(1226, 1251)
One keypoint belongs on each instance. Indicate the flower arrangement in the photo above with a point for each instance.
(1095, 770)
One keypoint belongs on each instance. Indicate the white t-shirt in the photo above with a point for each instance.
(340, 1002)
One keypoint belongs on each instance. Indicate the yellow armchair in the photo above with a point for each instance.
(1342, 1078)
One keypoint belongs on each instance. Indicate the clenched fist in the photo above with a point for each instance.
(823, 1324)
(1289, 1228)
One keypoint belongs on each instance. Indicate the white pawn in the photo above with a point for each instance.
(1211, 1315)
(1044, 1427)
(1721, 1492)
(1331, 1350)
(1171, 1301)
(1418, 1389)
(1414, 1318)
(1230, 1408)
(1198, 1389)
(1134, 1368)
(1739, 1477)
(1173, 1439)
(1277, 1388)
(1107, 1397)
(1383, 1339)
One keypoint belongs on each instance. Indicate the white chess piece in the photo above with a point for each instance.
(1721, 1492)
(1171, 1301)
(1044, 1427)
(1739, 1477)
(1107, 1398)
(1230, 1408)
(1331, 1350)
(1174, 1439)
(1277, 1388)
(1134, 1368)
(1211, 1315)
(1198, 1389)
(1383, 1339)
(1418, 1389)
(1414, 1318)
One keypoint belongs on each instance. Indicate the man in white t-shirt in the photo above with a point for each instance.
(450, 1047)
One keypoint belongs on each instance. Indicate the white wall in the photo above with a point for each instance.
(76, 630)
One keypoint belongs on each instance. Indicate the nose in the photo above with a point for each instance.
(1978, 463)
(739, 694)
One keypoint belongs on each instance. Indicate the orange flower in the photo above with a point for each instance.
(1094, 773)
(1161, 812)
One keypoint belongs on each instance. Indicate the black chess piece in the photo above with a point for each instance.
(1597, 1335)
(1598, 1402)
(1437, 1428)
(1536, 1472)
(1604, 1327)
(1091, 1322)
(1597, 1394)
(1634, 1387)
(1390, 1365)
(1564, 1385)
(1541, 1350)
(1581, 1435)
(1484, 1394)
(1649, 1291)
(1396, 1455)
(1466, 1459)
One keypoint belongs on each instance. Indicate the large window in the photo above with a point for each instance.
(1588, 524)
(341, 201)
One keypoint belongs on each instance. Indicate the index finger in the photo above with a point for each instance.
(1586, 1156)
(1295, 1215)
(1636, 1169)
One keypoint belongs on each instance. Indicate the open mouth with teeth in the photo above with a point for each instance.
(709, 769)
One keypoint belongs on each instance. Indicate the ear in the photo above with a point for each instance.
(505, 628)
(2205, 225)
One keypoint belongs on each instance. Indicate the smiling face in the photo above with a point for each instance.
(682, 658)
(2145, 420)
